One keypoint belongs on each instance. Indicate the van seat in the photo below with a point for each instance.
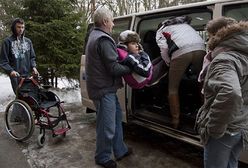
(150, 45)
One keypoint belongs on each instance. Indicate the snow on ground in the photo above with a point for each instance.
(6, 92)
(65, 91)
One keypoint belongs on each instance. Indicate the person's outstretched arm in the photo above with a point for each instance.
(140, 66)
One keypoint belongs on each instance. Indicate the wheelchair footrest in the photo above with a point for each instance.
(60, 131)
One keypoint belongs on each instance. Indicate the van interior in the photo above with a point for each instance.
(151, 103)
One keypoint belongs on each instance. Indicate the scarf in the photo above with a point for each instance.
(208, 59)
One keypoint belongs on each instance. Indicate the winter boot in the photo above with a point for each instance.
(174, 110)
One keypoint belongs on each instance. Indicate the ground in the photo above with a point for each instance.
(77, 148)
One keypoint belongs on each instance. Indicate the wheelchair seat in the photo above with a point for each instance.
(36, 96)
(48, 104)
(48, 99)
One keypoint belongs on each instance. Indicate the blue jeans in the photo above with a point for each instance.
(109, 134)
(223, 152)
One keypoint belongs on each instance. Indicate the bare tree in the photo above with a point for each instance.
(124, 7)
(86, 7)
(9, 9)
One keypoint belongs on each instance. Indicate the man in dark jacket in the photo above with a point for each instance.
(103, 78)
(17, 54)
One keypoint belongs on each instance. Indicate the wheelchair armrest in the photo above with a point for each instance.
(47, 86)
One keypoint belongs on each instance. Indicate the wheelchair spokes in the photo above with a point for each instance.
(19, 120)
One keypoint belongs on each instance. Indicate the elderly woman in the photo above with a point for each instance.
(222, 121)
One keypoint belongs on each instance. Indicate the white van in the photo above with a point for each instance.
(149, 106)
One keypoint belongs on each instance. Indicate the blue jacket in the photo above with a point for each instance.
(17, 55)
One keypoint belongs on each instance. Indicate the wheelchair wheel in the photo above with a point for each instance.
(19, 120)
(41, 139)
(60, 122)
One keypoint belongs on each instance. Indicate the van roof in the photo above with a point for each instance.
(178, 7)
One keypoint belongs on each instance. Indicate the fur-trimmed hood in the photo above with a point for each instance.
(234, 36)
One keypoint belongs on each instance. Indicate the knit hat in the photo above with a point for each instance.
(128, 36)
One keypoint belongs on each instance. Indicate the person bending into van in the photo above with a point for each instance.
(222, 121)
(131, 54)
(180, 45)
(17, 55)
(103, 79)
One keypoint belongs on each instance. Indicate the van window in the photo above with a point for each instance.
(148, 26)
(236, 11)
(199, 21)
(120, 25)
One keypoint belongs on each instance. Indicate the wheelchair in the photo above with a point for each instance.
(35, 105)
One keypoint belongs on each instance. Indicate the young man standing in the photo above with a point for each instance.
(17, 54)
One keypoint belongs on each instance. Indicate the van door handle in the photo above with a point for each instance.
(84, 76)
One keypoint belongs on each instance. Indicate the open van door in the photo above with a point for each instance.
(84, 95)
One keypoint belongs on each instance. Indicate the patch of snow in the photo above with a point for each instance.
(6, 94)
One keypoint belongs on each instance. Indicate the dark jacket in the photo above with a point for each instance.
(17, 55)
(103, 72)
(225, 108)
